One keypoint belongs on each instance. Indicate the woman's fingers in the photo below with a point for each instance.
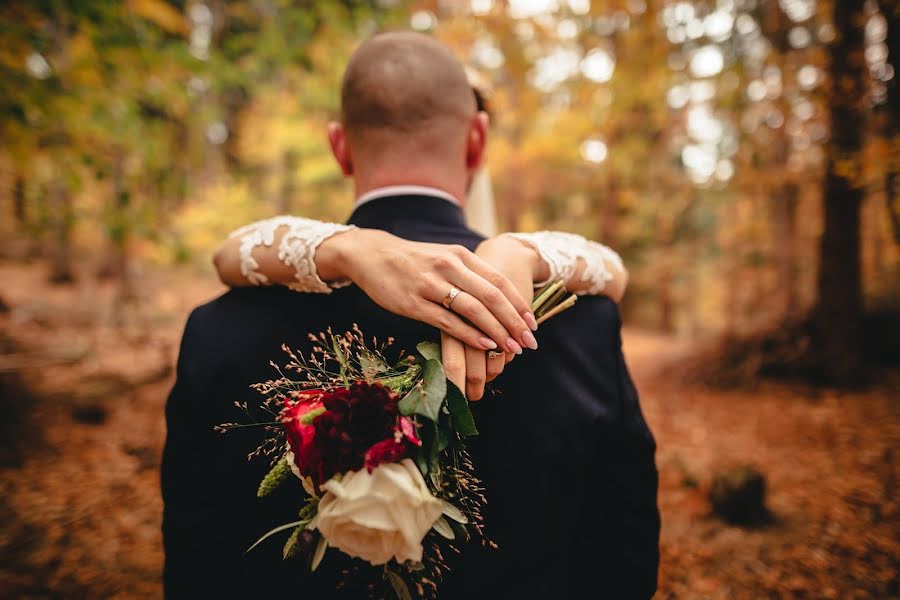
(453, 356)
(475, 373)
(520, 305)
(495, 364)
(450, 324)
(492, 300)
(466, 305)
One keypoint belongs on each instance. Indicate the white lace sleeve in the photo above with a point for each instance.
(297, 249)
(561, 252)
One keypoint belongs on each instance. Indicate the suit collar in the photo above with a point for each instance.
(383, 211)
(405, 190)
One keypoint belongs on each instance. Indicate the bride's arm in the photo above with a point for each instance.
(585, 267)
(407, 278)
(290, 251)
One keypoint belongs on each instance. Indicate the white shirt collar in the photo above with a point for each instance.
(405, 190)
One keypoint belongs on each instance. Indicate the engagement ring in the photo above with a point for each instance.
(450, 297)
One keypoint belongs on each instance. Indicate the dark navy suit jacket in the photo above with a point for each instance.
(564, 452)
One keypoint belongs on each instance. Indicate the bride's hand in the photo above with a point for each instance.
(412, 278)
(470, 367)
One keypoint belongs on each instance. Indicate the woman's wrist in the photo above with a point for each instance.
(332, 255)
(337, 256)
(518, 250)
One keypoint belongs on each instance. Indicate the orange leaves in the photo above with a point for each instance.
(161, 13)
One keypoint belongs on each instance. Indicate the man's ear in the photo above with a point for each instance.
(476, 141)
(340, 147)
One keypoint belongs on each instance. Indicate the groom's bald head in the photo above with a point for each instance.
(408, 116)
(405, 84)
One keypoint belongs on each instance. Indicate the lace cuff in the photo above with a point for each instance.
(561, 252)
(297, 249)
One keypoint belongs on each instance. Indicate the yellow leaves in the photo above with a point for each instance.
(217, 210)
(160, 13)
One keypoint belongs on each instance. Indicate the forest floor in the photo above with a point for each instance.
(81, 433)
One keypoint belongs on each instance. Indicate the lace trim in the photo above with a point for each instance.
(561, 252)
(297, 249)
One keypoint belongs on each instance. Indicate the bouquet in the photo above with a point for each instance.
(379, 449)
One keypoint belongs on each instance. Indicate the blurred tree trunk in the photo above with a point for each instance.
(891, 11)
(839, 309)
(61, 269)
(115, 264)
(784, 218)
(118, 265)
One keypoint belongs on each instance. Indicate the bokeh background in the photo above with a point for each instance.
(741, 155)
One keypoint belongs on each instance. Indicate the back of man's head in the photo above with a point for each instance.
(405, 96)
(404, 84)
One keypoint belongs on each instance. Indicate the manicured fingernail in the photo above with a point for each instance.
(530, 320)
(488, 344)
(513, 346)
(529, 340)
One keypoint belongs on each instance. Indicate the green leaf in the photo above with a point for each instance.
(274, 531)
(423, 455)
(426, 398)
(443, 528)
(399, 586)
(409, 404)
(290, 546)
(404, 381)
(309, 510)
(454, 513)
(421, 459)
(309, 417)
(460, 413)
(274, 478)
(429, 350)
(371, 365)
(440, 443)
(443, 441)
(319, 553)
(435, 383)
(339, 356)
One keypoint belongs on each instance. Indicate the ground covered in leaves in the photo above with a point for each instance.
(83, 380)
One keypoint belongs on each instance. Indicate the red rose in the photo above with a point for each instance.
(355, 420)
(300, 436)
(385, 451)
(360, 427)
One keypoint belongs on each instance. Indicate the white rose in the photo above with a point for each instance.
(379, 515)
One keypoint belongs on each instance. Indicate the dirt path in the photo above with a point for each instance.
(80, 506)
(830, 460)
